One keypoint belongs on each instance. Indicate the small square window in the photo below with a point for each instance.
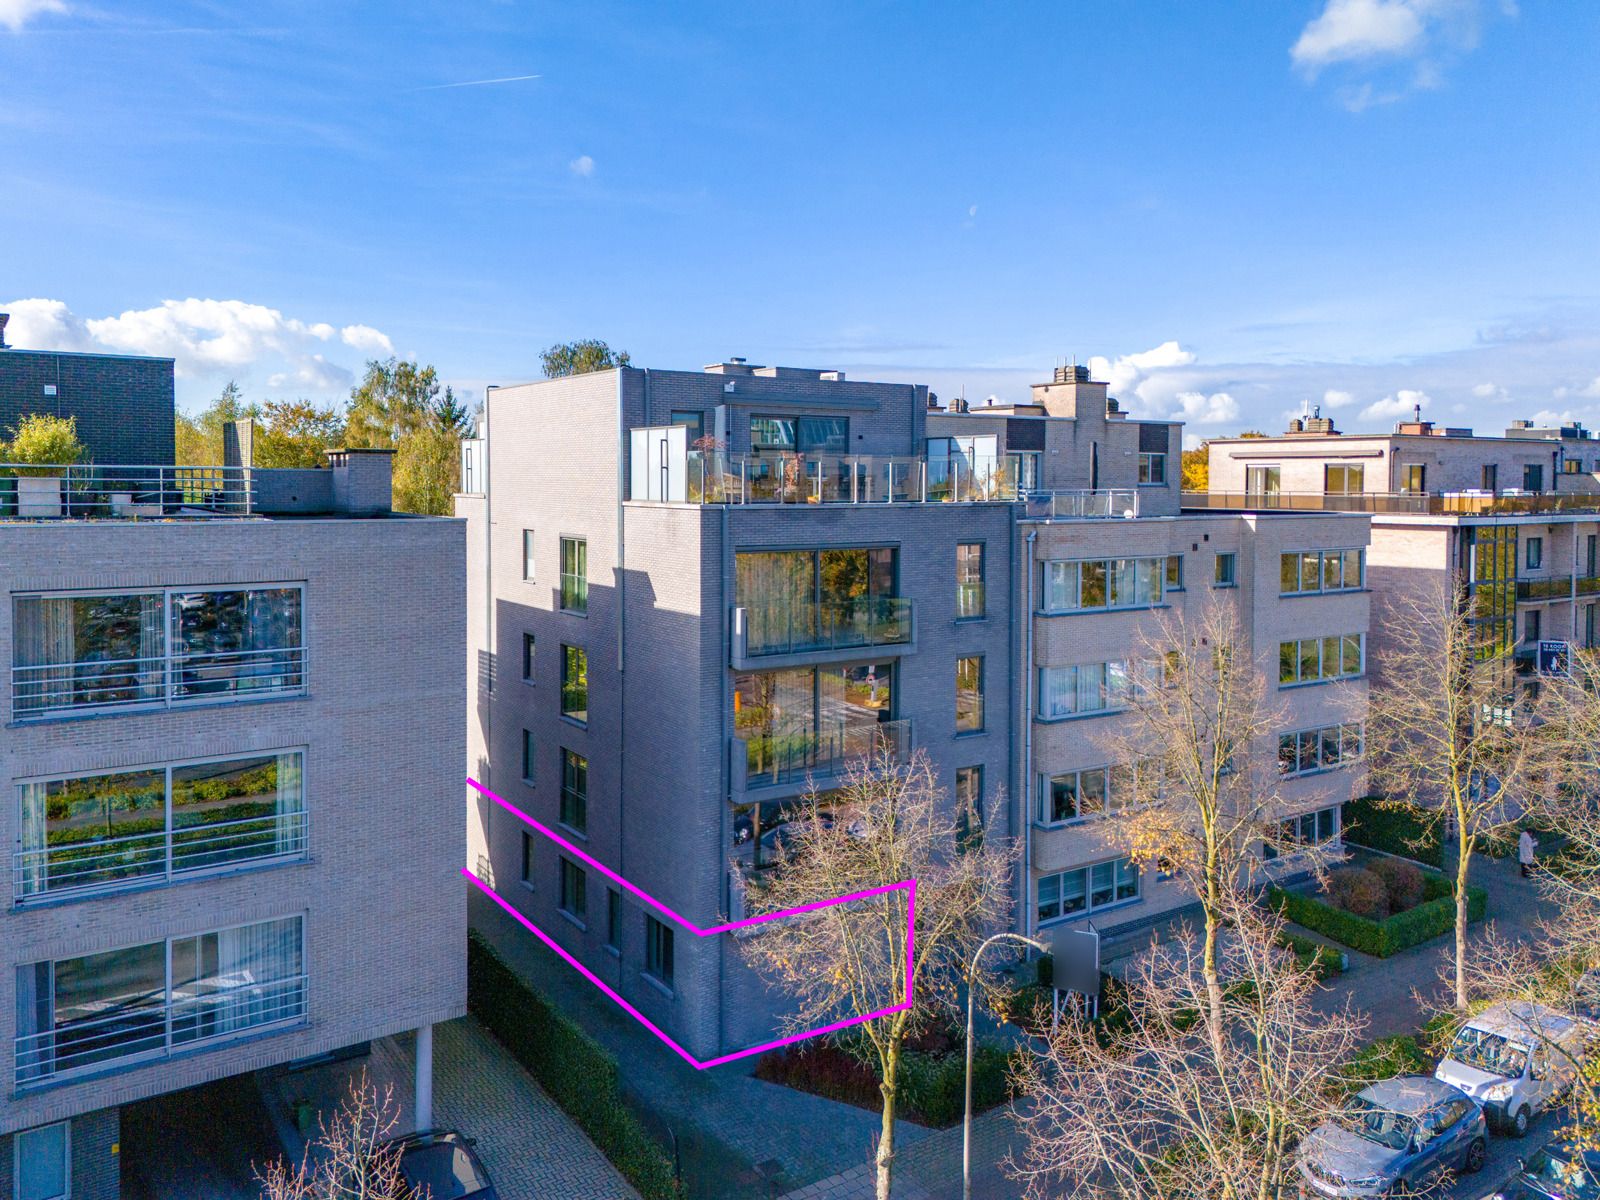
(658, 950)
(527, 554)
(574, 889)
(527, 658)
(530, 761)
(1227, 570)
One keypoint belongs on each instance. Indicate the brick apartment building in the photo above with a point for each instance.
(218, 774)
(694, 594)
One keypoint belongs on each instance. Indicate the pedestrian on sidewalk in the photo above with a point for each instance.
(1525, 848)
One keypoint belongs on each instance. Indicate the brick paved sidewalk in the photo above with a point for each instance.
(531, 1148)
(930, 1169)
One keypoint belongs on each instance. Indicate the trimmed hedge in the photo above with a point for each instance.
(1434, 916)
(1400, 1054)
(1394, 830)
(577, 1072)
(1323, 960)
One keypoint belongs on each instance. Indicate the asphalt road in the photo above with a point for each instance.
(1503, 1154)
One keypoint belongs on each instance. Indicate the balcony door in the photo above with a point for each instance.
(1263, 485)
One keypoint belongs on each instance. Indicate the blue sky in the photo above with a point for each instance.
(1361, 203)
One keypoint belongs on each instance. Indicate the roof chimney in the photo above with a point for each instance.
(4, 317)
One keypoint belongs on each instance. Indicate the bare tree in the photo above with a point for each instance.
(888, 822)
(1198, 746)
(1450, 731)
(348, 1159)
(1151, 1108)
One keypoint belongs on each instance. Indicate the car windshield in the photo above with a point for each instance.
(445, 1170)
(1556, 1175)
(1379, 1124)
(1489, 1052)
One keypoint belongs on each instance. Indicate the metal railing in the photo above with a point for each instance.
(1081, 503)
(211, 1011)
(791, 757)
(1545, 589)
(88, 491)
(110, 863)
(793, 628)
(38, 691)
(721, 478)
(1467, 503)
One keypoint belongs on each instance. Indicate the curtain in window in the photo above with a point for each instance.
(1058, 691)
(45, 642)
(290, 803)
(35, 1056)
(35, 828)
(254, 963)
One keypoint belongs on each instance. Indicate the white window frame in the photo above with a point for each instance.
(1322, 676)
(66, 1148)
(1344, 761)
(1072, 568)
(1107, 693)
(168, 658)
(168, 874)
(1089, 906)
(529, 556)
(1147, 460)
(1322, 557)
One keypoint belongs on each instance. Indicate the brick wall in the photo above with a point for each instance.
(124, 405)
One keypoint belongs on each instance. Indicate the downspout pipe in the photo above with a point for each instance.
(1026, 881)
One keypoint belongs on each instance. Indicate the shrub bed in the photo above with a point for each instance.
(1385, 1058)
(932, 1083)
(577, 1072)
(1405, 831)
(1381, 938)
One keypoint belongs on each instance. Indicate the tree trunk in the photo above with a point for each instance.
(1208, 967)
(1463, 861)
(890, 1089)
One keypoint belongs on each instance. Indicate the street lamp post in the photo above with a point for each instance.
(966, 1120)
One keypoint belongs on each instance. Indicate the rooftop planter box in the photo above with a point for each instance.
(1436, 915)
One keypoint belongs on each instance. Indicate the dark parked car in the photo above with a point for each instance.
(441, 1165)
(1559, 1171)
(1397, 1136)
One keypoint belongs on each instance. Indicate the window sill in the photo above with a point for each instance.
(613, 951)
(1329, 592)
(981, 617)
(1309, 683)
(573, 721)
(574, 612)
(1315, 771)
(970, 733)
(574, 919)
(527, 884)
(1100, 612)
(580, 834)
(1223, 586)
(1085, 716)
(664, 988)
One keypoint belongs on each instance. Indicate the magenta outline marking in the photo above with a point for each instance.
(907, 885)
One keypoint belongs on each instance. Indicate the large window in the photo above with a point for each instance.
(149, 1001)
(1092, 791)
(1316, 828)
(1313, 660)
(1087, 889)
(1309, 750)
(969, 694)
(121, 828)
(811, 720)
(1414, 479)
(74, 652)
(1343, 479)
(1308, 571)
(799, 600)
(658, 950)
(574, 791)
(574, 575)
(1090, 688)
(805, 435)
(969, 580)
(44, 1162)
(1103, 583)
(1152, 469)
(575, 683)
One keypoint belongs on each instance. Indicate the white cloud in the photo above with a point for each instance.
(582, 166)
(1129, 371)
(1546, 417)
(1402, 404)
(1593, 390)
(1488, 391)
(1197, 408)
(14, 14)
(1333, 398)
(206, 338)
(1359, 29)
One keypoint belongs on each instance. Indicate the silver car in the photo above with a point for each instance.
(1397, 1136)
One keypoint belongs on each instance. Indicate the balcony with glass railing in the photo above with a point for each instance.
(1532, 591)
(219, 1010)
(89, 867)
(769, 759)
(1080, 504)
(53, 688)
(819, 626)
(1466, 503)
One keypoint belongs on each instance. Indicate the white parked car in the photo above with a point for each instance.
(1516, 1060)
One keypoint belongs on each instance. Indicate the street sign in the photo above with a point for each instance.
(1554, 658)
(1075, 960)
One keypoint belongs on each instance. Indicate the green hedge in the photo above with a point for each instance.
(1394, 830)
(579, 1074)
(933, 1086)
(1434, 916)
(1325, 961)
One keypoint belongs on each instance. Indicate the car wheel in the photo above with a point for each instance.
(1476, 1153)
(1519, 1122)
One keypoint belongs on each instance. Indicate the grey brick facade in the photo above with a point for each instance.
(123, 404)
